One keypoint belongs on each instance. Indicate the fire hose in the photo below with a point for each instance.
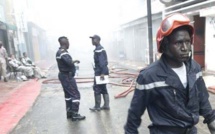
(128, 80)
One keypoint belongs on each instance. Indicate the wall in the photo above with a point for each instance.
(210, 43)
(131, 39)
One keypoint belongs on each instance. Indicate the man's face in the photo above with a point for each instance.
(94, 41)
(179, 47)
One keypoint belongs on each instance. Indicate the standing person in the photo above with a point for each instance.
(172, 88)
(3, 57)
(66, 76)
(100, 69)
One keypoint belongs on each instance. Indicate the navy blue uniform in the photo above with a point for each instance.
(172, 108)
(101, 62)
(66, 77)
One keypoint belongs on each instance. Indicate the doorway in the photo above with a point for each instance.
(199, 40)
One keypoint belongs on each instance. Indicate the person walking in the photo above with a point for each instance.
(3, 65)
(172, 88)
(66, 76)
(100, 69)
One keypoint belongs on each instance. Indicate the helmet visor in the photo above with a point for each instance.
(173, 21)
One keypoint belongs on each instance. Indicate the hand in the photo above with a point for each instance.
(77, 61)
(102, 77)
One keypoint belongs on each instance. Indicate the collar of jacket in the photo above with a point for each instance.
(62, 49)
(99, 45)
(172, 78)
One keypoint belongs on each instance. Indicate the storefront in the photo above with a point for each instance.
(3, 34)
(11, 34)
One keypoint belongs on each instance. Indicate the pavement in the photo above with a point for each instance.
(17, 97)
(16, 103)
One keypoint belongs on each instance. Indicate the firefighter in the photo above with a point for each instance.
(172, 88)
(100, 69)
(66, 76)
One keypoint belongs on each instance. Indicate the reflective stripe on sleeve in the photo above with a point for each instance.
(151, 85)
(199, 74)
(59, 57)
(99, 51)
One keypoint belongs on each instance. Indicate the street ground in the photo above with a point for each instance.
(48, 115)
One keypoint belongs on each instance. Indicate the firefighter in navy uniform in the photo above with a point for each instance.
(66, 76)
(100, 69)
(172, 88)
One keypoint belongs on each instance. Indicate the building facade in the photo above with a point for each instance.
(131, 38)
(202, 14)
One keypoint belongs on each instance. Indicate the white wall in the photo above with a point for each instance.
(133, 9)
(210, 43)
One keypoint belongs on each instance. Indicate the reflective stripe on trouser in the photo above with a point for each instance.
(99, 89)
(72, 95)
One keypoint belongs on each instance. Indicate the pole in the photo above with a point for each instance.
(149, 18)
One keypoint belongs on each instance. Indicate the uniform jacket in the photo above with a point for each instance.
(64, 61)
(160, 90)
(101, 61)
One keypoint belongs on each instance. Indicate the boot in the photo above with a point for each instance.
(97, 103)
(77, 117)
(106, 102)
(68, 109)
(68, 115)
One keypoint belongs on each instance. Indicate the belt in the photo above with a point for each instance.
(186, 130)
(65, 72)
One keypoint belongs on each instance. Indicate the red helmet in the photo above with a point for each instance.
(170, 23)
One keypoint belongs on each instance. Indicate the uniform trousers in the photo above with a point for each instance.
(72, 95)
